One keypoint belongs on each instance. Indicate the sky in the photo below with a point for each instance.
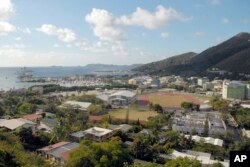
(80, 32)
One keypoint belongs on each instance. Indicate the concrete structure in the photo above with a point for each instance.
(208, 86)
(210, 140)
(97, 134)
(204, 158)
(15, 124)
(194, 122)
(122, 98)
(202, 81)
(58, 152)
(77, 105)
(234, 90)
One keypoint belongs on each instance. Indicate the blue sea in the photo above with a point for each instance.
(9, 79)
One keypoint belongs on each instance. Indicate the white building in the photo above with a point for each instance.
(122, 98)
(210, 140)
(98, 134)
(77, 105)
(201, 81)
(204, 158)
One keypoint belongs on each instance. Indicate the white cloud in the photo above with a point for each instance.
(6, 9)
(64, 34)
(108, 27)
(26, 30)
(6, 28)
(145, 18)
(104, 26)
(55, 45)
(18, 38)
(225, 21)
(119, 50)
(216, 2)
(6, 12)
(164, 35)
(198, 34)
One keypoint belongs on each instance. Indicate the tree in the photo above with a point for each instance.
(217, 164)
(187, 105)
(2, 112)
(181, 162)
(206, 128)
(158, 108)
(26, 107)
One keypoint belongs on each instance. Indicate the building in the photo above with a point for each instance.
(122, 127)
(132, 81)
(208, 86)
(97, 134)
(194, 122)
(122, 98)
(210, 140)
(32, 117)
(202, 81)
(15, 124)
(58, 152)
(234, 90)
(47, 124)
(77, 105)
(77, 136)
(204, 158)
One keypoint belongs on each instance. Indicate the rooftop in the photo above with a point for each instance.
(81, 105)
(96, 131)
(52, 147)
(13, 124)
(32, 117)
(124, 93)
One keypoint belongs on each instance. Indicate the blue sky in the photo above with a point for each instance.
(80, 32)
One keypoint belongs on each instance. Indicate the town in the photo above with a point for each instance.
(137, 120)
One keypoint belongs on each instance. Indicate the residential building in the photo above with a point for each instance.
(97, 134)
(77, 105)
(204, 158)
(122, 127)
(210, 140)
(15, 124)
(122, 98)
(202, 81)
(58, 152)
(47, 124)
(234, 90)
(32, 117)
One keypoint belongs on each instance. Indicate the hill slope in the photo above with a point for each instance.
(223, 56)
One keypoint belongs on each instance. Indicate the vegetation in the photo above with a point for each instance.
(105, 154)
(179, 162)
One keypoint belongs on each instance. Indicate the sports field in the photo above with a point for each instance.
(134, 114)
(168, 99)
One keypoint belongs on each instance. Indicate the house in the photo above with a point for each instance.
(146, 132)
(77, 136)
(122, 98)
(204, 158)
(97, 134)
(32, 117)
(47, 124)
(210, 140)
(77, 105)
(58, 152)
(94, 118)
(122, 127)
(15, 124)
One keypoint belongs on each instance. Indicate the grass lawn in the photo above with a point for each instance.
(172, 100)
(134, 114)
